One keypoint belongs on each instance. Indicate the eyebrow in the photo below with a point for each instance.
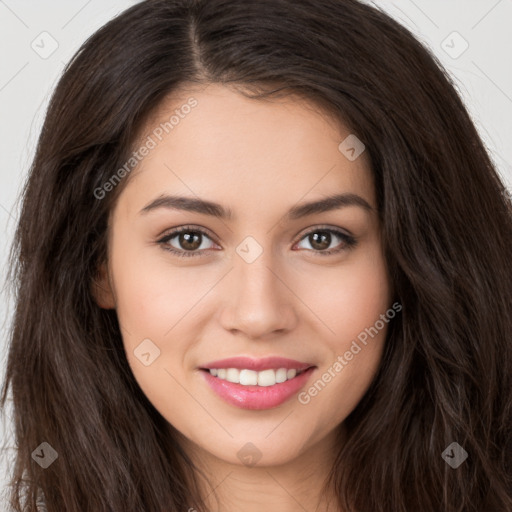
(192, 204)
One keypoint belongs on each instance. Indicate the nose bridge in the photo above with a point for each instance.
(259, 303)
(255, 279)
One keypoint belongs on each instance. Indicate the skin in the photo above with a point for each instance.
(258, 158)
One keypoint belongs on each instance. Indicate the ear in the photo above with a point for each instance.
(101, 289)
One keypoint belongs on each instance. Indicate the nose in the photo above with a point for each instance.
(260, 302)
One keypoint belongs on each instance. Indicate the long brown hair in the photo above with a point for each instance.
(446, 372)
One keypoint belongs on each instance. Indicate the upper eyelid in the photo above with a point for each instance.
(172, 232)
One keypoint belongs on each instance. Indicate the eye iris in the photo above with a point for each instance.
(189, 240)
(320, 240)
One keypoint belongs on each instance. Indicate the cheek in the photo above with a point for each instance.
(350, 298)
(152, 304)
(350, 305)
(159, 302)
(152, 296)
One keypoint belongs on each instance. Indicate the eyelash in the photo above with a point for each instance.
(348, 241)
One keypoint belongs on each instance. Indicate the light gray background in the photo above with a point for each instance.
(483, 73)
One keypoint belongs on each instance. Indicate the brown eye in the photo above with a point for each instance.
(190, 240)
(320, 240)
(186, 241)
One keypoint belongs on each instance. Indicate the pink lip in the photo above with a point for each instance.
(257, 397)
(265, 363)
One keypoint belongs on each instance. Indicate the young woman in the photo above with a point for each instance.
(263, 263)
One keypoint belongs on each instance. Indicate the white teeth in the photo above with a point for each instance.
(266, 378)
(291, 373)
(248, 377)
(281, 375)
(233, 375)
(252, 378)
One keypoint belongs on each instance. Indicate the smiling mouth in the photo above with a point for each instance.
(257, 390)
(263, 378)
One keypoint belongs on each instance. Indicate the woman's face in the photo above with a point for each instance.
(255, 280)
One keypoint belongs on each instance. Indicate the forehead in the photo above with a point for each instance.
(244, 151)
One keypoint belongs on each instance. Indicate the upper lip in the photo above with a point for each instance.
(265, 363)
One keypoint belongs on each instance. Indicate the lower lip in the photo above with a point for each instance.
(257, 397)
